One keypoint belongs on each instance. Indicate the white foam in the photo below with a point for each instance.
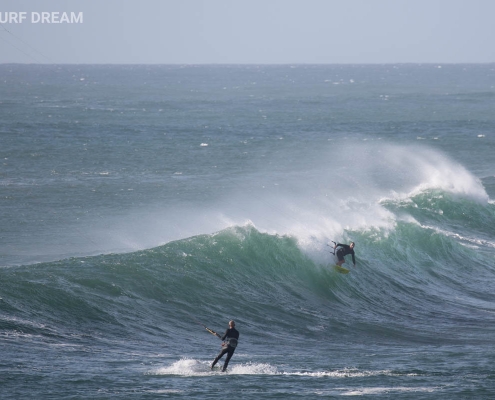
(186, 367)
(383, 390)
(472, 242)
(346, 373)
(192, 367)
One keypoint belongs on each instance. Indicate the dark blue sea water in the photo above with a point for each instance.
(139, 202)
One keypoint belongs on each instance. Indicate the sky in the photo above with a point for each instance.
(248, 31)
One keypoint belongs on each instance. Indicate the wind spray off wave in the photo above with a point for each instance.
(344, 190)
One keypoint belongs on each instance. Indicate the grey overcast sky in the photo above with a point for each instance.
(250, 31)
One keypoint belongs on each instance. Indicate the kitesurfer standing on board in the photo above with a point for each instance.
(229, 345)
(344, 250)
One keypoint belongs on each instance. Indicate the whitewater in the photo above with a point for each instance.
(141, 202)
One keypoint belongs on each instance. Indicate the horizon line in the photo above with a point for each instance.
(257, 64)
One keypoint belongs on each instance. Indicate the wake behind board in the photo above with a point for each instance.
(340, 269)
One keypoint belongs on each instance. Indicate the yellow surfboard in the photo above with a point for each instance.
(340, 269)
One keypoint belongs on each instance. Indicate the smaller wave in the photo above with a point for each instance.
(447, 214)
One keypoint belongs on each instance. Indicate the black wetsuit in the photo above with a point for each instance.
(345, 250)
(230, 338)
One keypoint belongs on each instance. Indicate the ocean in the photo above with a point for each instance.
(141, 203)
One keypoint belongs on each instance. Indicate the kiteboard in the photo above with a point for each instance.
(340, 269)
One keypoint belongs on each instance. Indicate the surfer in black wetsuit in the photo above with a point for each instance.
(229, 345)
(344, 250)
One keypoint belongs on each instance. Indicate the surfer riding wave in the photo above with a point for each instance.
(345, 249)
